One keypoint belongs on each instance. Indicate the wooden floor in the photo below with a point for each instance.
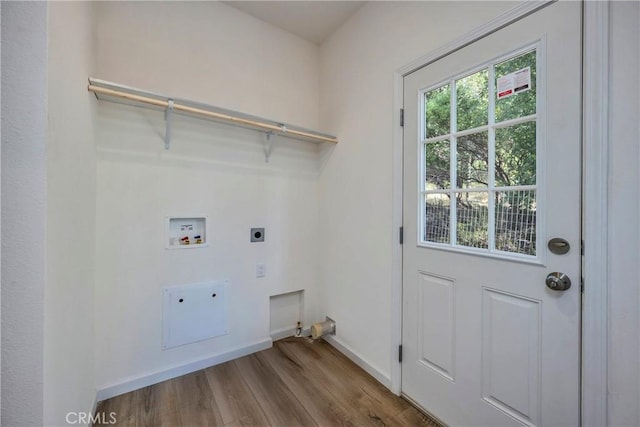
(298, 382)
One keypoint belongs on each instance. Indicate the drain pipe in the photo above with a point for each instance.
(328, 327)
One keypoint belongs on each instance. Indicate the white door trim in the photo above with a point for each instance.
(595, 212)
(595, 163)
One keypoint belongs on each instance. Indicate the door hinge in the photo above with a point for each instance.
(400, 353)
(401, 235)
(402, 117)
(581, 247)
(582, 285)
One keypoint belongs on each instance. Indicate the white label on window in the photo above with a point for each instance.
(514, 83)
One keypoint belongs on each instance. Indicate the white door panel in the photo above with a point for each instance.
(485, 341)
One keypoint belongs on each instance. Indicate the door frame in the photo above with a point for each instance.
(595, 158)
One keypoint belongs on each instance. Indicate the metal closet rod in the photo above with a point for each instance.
(211, 114)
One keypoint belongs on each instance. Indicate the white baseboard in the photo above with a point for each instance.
(288, 332)
(93, 409)
(355, 358)
(95, 403)
(283, 333)
(135, 383)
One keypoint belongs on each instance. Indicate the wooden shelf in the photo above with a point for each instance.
(114, 92)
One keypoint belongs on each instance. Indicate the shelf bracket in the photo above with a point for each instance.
(167, 118)
(268, 146)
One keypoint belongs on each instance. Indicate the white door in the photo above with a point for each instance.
(491, 174)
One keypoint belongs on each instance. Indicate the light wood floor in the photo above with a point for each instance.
(296, 383)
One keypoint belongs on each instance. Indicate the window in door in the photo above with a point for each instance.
(479, 159)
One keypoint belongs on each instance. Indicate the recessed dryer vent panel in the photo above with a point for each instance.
(186, 232)
(193, 313)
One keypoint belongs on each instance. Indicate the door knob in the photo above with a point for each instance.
(558, 281)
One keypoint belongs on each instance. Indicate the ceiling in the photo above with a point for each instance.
(309, 19)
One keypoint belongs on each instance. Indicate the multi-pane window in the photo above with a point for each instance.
(479, 149)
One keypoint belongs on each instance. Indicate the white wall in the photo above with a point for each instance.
(24, 127)
(212, 53)
(358, 63)
(69, 384)
(624, 268)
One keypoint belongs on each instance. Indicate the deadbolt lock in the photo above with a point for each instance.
(558, 281)
(558, 246)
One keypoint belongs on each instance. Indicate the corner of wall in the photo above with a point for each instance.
(69, 375)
